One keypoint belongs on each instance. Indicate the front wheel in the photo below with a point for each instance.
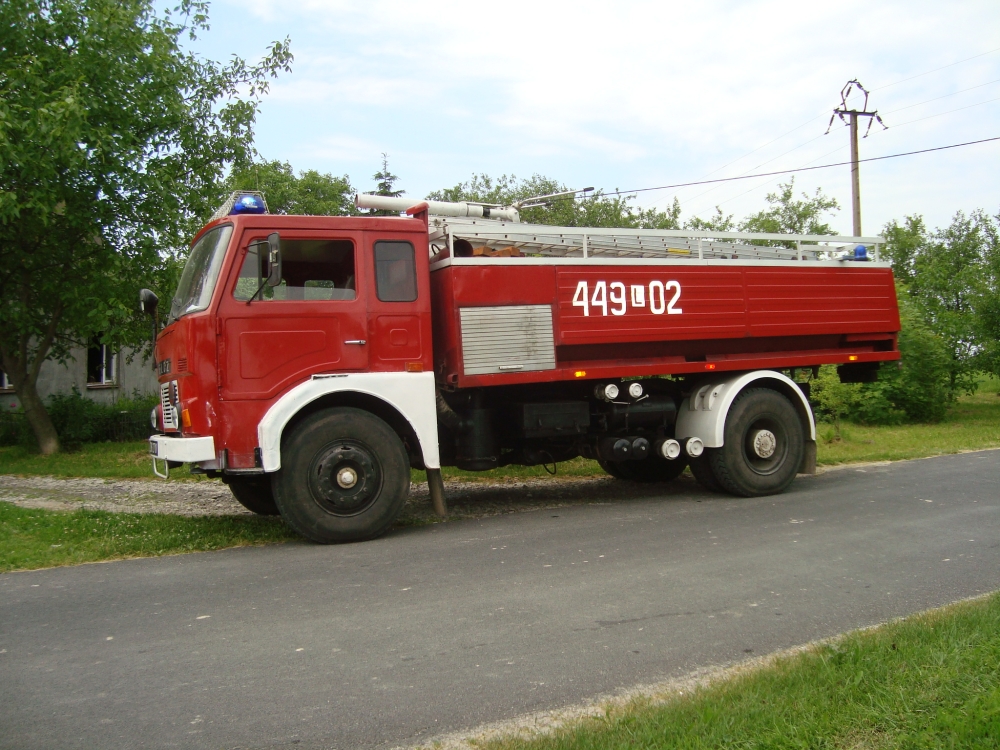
(763, 445)
(344, 477)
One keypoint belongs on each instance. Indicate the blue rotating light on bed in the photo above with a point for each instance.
(248, 204)
(860, 253)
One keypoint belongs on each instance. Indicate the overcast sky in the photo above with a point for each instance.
(635, 94)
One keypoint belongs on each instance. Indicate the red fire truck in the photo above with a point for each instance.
(311, 361)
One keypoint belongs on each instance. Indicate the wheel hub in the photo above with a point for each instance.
(764, 443)
(345, 478)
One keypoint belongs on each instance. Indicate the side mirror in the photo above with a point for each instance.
(148, 302)
(273, 259)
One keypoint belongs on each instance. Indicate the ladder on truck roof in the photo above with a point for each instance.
(680, 244)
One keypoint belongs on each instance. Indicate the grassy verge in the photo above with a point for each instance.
(109, 460)
(930, 681)
(972, 424)
(32, 538)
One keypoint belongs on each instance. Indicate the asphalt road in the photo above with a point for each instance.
(440, 628)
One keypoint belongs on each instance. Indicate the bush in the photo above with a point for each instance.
(917, 390)
(79, 420)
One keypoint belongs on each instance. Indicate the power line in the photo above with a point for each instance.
(877, 88)
(945, 96)
(799, 169)
(949, 65)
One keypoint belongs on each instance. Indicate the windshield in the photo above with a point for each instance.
(197, 283)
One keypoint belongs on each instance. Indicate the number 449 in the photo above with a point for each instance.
(612, 297)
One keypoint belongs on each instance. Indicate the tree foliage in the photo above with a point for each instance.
(113, 139)
(953, 277)
(310, 193)
(596, 210)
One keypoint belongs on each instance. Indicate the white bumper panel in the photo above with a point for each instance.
(703, 413)
(186, 450)
(410, 393)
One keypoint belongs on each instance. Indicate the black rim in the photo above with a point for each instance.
(345, 478)
(765, 428)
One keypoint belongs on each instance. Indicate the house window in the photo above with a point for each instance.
(102, 365)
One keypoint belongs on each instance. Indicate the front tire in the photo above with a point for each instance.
(344, 477)
(763, 445)
(253, 493)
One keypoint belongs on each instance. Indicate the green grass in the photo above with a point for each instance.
(31, 538)
(109, 460)
(972, 424)
(930, 681)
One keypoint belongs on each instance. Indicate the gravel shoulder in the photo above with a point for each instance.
(466, 499)
(212, 498)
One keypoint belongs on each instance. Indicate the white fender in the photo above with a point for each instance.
(703, 413)
(410, 393)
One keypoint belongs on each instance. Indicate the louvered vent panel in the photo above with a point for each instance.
(510, 338)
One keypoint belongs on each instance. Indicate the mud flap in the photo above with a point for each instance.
(808, 465)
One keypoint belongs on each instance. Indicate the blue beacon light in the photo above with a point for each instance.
(860, 253)
(248, 204)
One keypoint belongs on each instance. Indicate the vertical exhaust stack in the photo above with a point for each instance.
(438, 208)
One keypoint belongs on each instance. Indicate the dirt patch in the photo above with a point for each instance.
(213, 498)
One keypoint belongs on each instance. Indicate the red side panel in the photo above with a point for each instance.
(616, 320)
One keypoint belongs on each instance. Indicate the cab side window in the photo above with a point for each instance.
(395, 271)
(310, 270)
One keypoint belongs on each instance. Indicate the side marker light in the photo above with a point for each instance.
(710, 366)
(580, 374)
(186, 418)
(852, 358)
(414, 366)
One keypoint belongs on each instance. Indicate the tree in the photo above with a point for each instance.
(112, 142)
(953, 276)
(597, 210)
(311, 193)
(786, 215)
(385, 185)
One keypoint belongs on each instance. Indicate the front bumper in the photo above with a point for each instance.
(180, 450)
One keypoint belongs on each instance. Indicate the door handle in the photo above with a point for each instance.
(359, 342)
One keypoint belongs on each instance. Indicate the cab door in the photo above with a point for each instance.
(398, 303)
(313, 322)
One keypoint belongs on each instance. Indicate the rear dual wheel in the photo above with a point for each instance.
(648, 470)
(344, 476)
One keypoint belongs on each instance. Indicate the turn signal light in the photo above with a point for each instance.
(186, 418)
(580, 373)
(414, 366)
(710, 366)
(852, 357)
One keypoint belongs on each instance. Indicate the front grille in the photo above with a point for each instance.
(169, 397)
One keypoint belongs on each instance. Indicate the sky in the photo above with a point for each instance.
(626, 95)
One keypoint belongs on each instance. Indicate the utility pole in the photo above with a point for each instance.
(852, 123)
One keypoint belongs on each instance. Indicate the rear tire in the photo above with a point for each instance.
(646, 471)
(701, 469)
(254, 493)
(344, 477)
(763, 445)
